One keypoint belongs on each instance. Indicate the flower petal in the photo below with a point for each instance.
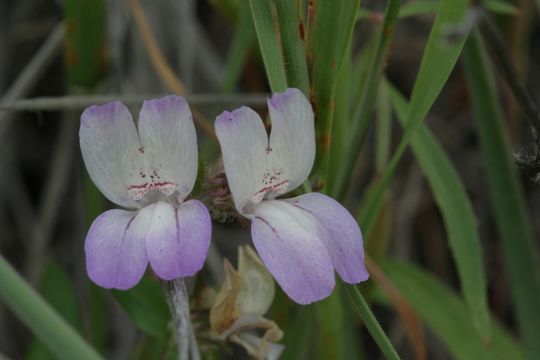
(244, 144)
(286, 239)
(169, 142)
(115, 249)
(178, 239)
(340, 233)
(292, 139)
(109, 146)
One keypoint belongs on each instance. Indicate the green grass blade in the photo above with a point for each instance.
(383, 130)
(425, 7)
(293, 47)
(241, 45)
(415, 8)
(328, 42)
(58, 291)
(55, 333)
(341, 124)
(512, 220)
(448, 317)
(371, 322)
(367, 100)
(267, 35)
(329, 38)
(438, 61)
(501, 7)
(458, 215)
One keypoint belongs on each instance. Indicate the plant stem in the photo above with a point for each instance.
(178, 300)
(371, 323)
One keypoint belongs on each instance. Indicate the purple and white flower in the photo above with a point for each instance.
(302, 239)
(150, 172)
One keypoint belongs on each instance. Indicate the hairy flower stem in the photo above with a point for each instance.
(178, 300)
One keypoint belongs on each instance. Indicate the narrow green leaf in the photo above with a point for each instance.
(329, 39)
(371, 322)
(147, 307)
(438, 61)
(457, 213)
(367, 100)
(448, 317)
(241, 45)
(501, 7)
(425, 7)
(341, 124)
(60, 294)
(416, 8)
(262, 13)
(55, 333)
(512, 220)
(293, 45)
(384, 127)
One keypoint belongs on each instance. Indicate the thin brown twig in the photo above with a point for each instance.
(161, 66)
(406, 313)
(78, 102)
(157, 58)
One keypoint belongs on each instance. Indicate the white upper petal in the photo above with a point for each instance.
(243, 142)
(258, 167)
(293, 135)
(169, 143)
(109, 146)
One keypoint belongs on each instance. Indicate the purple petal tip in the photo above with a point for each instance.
(280, 99)
(166, 101)
(101, 112)
(228, 116)
(166, 104)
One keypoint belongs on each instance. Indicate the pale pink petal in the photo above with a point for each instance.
(178, 238)
(340, 233)
(109, 146)
(292, 138)
(286, 239)
(244, 145)
(115, 249)
(169, 143)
